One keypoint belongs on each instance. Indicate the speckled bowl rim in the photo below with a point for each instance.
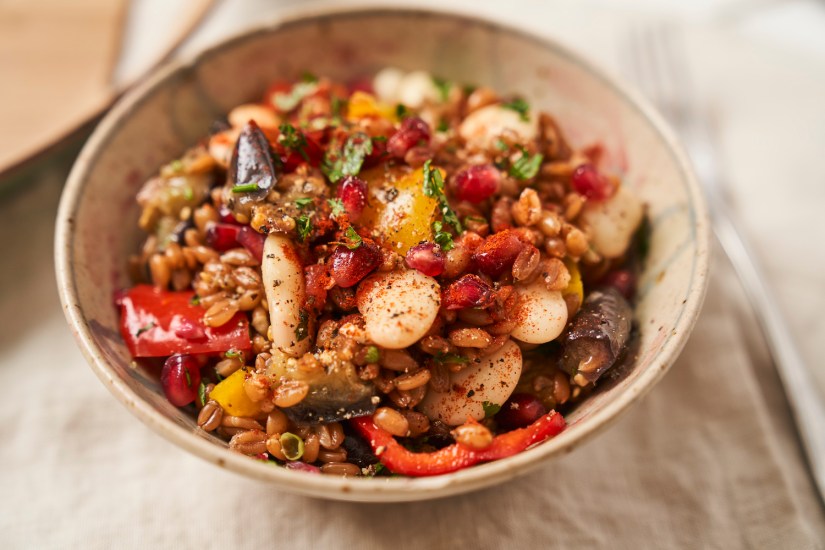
(359, 489)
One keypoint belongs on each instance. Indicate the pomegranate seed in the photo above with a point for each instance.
(622, 280)
(188, 329)
(350, 266)
(426, 258)
(497, 254)
(317, 282)
(353, 193)
(413, 130)
(468, 291)
(222, 236)
(477, 183)
(589, 182)
(180, 379)
(303, 467)
(522, 409)
(226, 215)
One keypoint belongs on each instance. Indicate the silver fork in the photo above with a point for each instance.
(654, 57)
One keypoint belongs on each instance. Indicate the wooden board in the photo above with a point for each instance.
(56, 65)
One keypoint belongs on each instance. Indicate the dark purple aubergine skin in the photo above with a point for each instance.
(601, 330)
(252, 162)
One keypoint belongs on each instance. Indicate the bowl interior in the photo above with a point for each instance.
(97, 226)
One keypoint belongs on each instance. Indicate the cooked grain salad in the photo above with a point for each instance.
(396, 276)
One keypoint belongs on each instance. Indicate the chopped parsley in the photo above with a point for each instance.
(287, 101)
(520, 106)
(176, 166)
(526, 167)
(348, 160)
(144, 328)
(245, 188)
(188, 194)
(231, 354)
(309, 77)
(490, 409)
(434, 187)
(443, 125)
(195, 300)
(336, 106)
(450, 358)
(202, 394)
(353, 238)
(293, 140)
(441, 237)
(303, 202)
(401, 111)
(188, 377)
(372, 355)
(443, 86)
(469, 88)
(304, 225)
(500, 144)
(336, 206)
(302, 330)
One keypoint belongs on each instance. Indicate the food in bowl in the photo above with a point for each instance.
(400, 275)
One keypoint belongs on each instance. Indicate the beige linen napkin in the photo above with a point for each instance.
(701, 462)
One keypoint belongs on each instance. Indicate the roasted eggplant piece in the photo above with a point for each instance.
(252, 169)
(598, 335)
(335, 392)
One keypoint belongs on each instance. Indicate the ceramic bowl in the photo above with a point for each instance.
(97, 229)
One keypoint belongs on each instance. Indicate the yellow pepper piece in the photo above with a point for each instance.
(575, 286)
(398, 211)
(232, 398)
(362, 104)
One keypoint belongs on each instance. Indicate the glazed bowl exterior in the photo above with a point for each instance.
(97, 220)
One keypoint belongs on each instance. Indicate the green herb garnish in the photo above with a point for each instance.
(526, 167)
(231, 354)
(302, 330)
(188, 377)
(353, 238)
(450, 358)
(372, 355)
(442, 238)
(309, 77)
(304, 225)
(303, 202)
(246, 188)
(188, 194)
(144, 328)
(443, 87)
(401, 111)
(176, 166)
(336, 207)
(293, 139)
(520, 106)
(195, 300)
(490, 409)
(202, 394)
(287, 101)
(443, 125)
(500, 144)
(434, 187)
(469, 88)
(348, 161)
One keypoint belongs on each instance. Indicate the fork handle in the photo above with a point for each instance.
(805, 401)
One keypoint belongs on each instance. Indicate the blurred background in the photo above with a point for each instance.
(760, 72)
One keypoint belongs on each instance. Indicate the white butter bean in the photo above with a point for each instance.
(283, 279)
(387, 83)
(398, 307)
(492, 380)
(416, 88)
(613, 222)
(481, 127)
(542, 313)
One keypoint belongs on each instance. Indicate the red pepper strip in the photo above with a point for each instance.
(157, 323)
(454, 457)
